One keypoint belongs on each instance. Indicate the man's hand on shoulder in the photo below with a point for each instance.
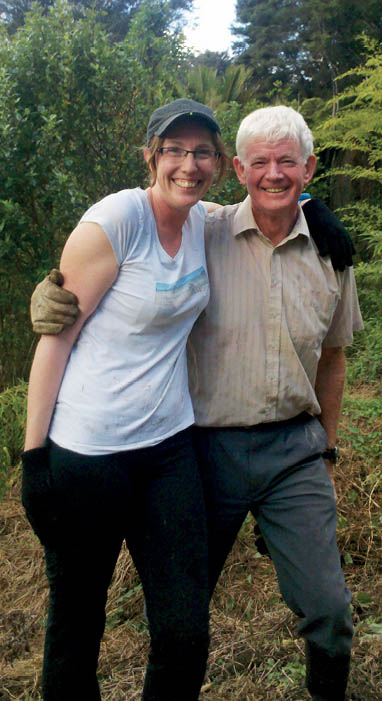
(211, 206)
(329, 234)
(52, 307)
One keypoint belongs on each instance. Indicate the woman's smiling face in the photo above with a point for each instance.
(181, 184)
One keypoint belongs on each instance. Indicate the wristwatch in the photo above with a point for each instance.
(331, 454)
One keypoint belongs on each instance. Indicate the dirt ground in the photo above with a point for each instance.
(255, 654)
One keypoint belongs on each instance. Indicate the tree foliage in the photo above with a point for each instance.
(205, 85)
(303, 44)
(352, 135)
(218, 60)
(74, 104)
(115, 15)
(73, 112)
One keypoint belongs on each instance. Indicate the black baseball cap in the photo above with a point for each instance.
(162, 117)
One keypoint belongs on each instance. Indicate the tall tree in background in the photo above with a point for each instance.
(303, 44)
(204, 84)
(353, 138)
(115, 15)
(218, 60)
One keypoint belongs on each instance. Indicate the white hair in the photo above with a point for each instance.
(274, 124)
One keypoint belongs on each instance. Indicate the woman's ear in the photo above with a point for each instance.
(146, 154)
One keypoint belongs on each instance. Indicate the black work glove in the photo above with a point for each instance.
(329, 234)
(260, 542)
(36, 493)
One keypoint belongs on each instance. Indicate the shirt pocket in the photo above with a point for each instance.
(310, 309)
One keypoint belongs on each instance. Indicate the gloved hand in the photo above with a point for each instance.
(260, 542)
(329, 234)
(52, 307)
(36, 493)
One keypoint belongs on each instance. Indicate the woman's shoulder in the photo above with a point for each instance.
(119, 205)
(123, 216)
(197, 212)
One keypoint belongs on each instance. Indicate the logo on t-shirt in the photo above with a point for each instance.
(177, 293)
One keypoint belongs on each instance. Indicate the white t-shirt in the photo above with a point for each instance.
(125, 385)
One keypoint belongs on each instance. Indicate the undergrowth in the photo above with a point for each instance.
(255, 653)
(12, 423)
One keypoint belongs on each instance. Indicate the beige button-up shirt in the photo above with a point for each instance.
(254, 351)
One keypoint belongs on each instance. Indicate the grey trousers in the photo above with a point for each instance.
(275, 471)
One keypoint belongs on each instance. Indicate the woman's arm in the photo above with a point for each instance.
(89, 267)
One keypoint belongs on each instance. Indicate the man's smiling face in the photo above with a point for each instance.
(274, 174)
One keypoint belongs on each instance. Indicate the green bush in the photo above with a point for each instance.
(350, 144)
(74, 106)
(365, 355)
(12, 423)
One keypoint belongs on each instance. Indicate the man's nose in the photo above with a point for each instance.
(274, 170)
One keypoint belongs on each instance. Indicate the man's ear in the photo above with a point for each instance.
(310, 167)
(239, 170)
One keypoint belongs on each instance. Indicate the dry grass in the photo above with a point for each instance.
(255, 654)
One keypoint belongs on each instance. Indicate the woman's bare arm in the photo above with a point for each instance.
(89, 267)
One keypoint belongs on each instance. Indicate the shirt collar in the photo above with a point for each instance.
(245, 221)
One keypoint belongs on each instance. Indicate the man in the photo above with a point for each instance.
(266, 358)
(267, 369)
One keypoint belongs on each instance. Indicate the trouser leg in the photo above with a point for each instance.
(169, 547)
(78, 590)
(223, 466)
(79, 569)
(299, 529)
(297, 516)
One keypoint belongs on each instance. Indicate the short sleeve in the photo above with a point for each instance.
(347, 318)
(121, 216)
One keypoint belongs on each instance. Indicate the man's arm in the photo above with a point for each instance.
(329, 389)
(53, 308)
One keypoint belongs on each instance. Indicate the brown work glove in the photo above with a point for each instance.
(52, 307)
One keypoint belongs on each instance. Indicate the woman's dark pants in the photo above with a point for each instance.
(152, 499)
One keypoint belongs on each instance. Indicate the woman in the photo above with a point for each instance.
(108, 454)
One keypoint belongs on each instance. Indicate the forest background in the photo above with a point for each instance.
(78, 82)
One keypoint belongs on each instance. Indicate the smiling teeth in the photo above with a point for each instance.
(187, 184)
(275, 189)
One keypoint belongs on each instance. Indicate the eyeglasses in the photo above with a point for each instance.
(201, 155)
